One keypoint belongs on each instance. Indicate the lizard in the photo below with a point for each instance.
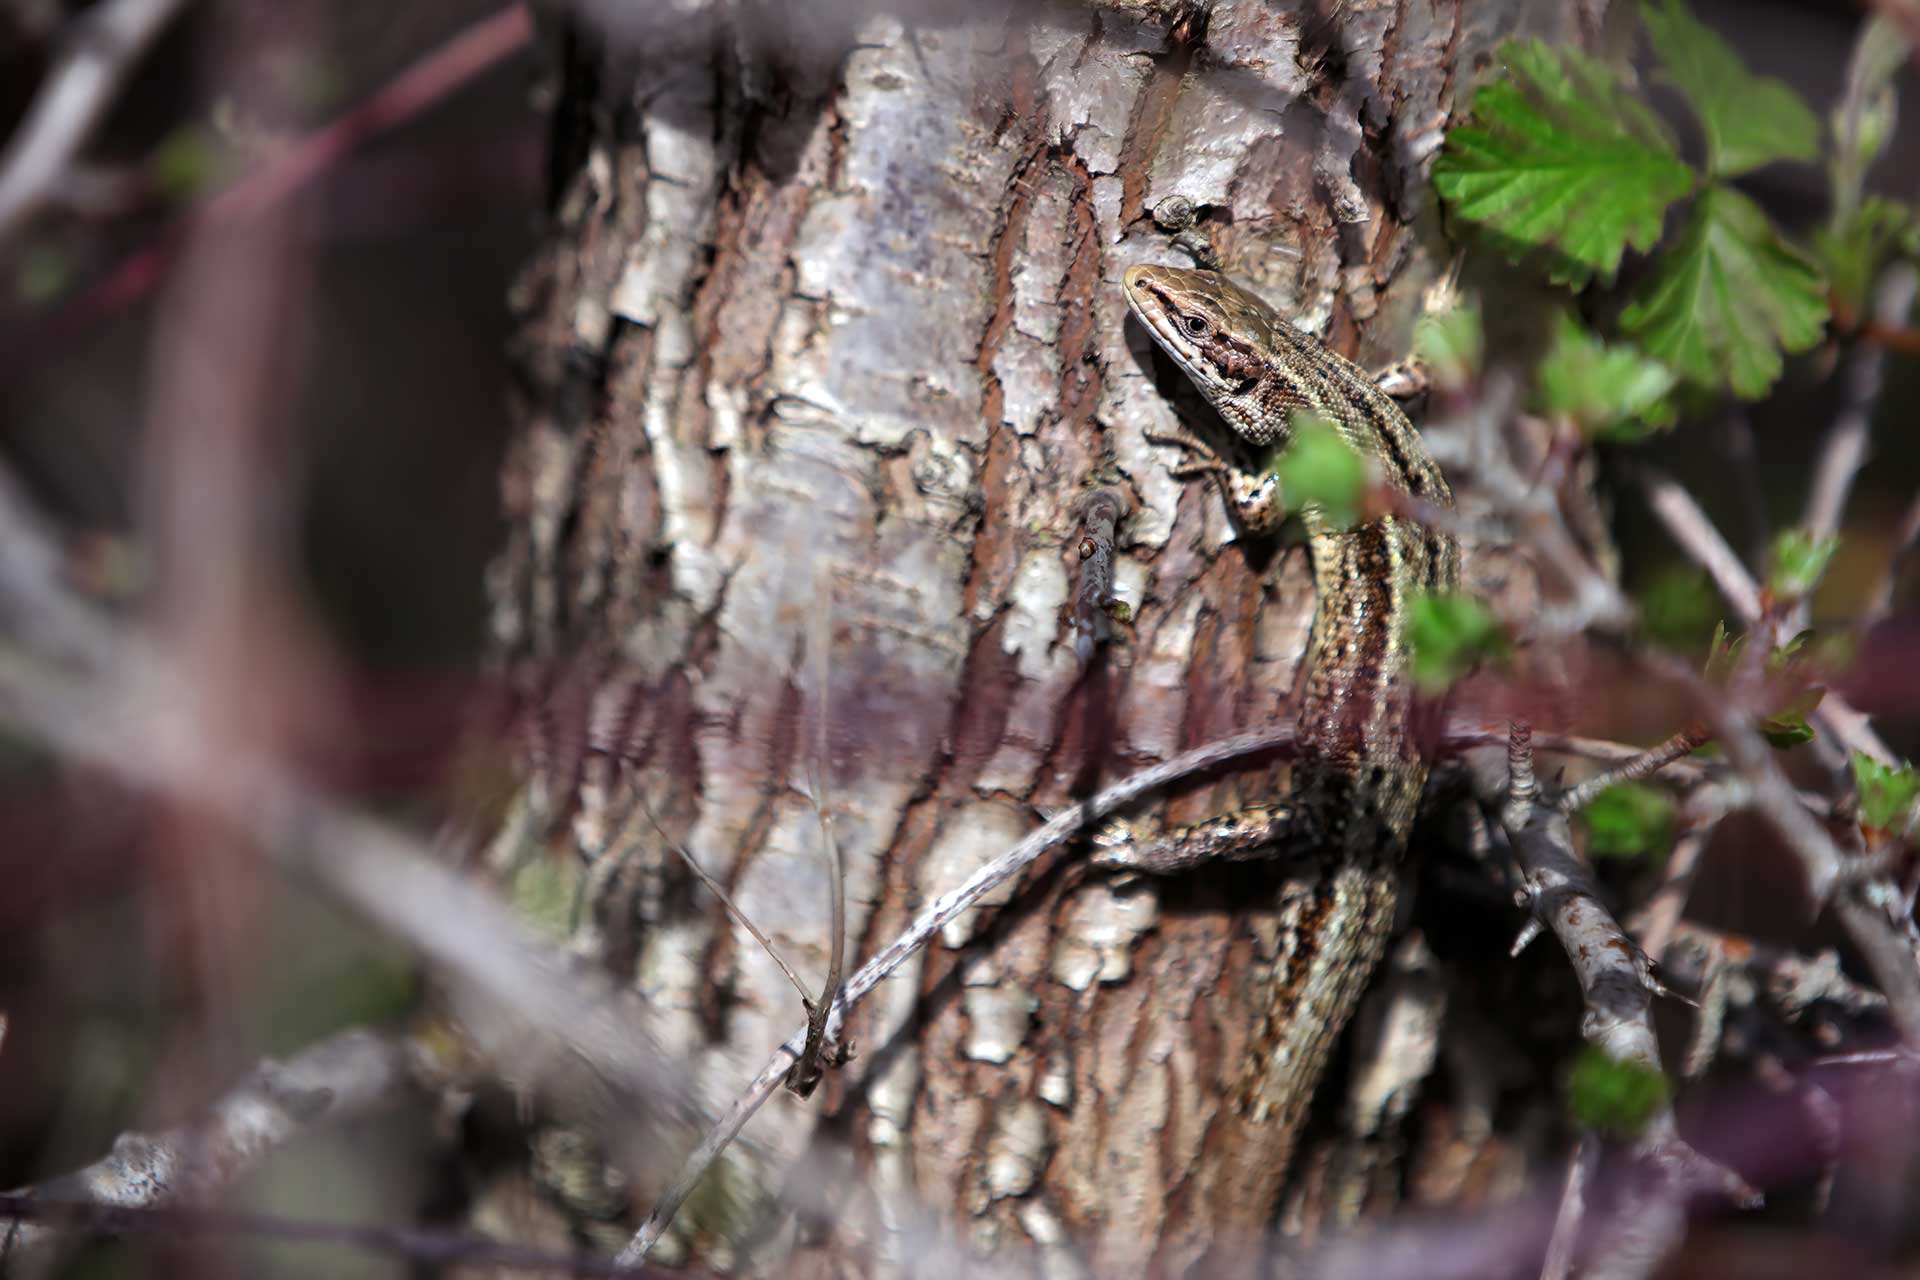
(1358, 771)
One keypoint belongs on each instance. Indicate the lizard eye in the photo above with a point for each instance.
(1196, 326)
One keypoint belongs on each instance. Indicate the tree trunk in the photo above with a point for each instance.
(825, 343)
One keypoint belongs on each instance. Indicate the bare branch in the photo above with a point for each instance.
(1689, 526)
(101, 49)
(1573, 1208)
(277, 1102)
(1616, 980)
(1100, 512)
(1647, 763)
(1844, 450)
(425, 1248)
(1880, 601)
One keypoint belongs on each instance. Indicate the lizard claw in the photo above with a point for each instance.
(1116, 846)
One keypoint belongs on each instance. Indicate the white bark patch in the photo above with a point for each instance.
(897, 250)
(1038, 594)
(1091, 86)
(1017, 1149)
(997, 1015)
(1214, 125)
(970, 836)
(1156, 700)
(682, 171)
(1056, 1083)
(1097, 936)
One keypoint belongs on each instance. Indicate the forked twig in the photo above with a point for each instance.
(806, 1073)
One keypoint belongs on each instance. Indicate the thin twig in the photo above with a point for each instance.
(101, 49)
(1660, 915)
(717, 890)
(1647, 763)
(1100, 513)
(806, 1073)
(928, 923)
(1573, 1208)
(426, 1249)
(1689, 526)
(1844, 450)
(1880, 600)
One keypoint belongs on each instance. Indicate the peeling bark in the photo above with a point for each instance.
(828, 332)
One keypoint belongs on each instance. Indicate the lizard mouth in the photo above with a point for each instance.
(1149, 300)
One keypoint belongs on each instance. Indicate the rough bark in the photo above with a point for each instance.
(826, 341)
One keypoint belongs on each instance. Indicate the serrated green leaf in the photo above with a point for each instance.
(1887, 792)
(1800, 560)
(1451, 345)
(1613, 392)
(1613, 1097)
(1319, 469)
(1558, 156)
(1749, 120)
(1446, 635)
(1728, 298)
(1629, 820)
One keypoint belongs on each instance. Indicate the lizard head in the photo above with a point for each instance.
(1219, 335)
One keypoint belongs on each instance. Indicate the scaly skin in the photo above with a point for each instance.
(1359, 773)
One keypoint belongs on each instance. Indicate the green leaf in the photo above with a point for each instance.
(1319, 469)
(1723, 653)
(1800, 560)
(1558, 155)
(1887, 792)
(1446, 635)
(1613, 392)
(1728, 298)
(1613, 1097)
(1678, 606)
(44, 274)
(1629, 820)
(1854, 247)
(1451, 345)
(1787, 666)
(185, 164)
(1750, 120)
(1788, 726)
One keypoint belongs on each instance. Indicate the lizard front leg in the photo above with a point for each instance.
(1254, 496)
(1245, 835)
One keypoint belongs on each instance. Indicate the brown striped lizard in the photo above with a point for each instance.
(1359, 771)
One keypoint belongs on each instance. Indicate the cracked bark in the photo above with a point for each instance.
(829, 321)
